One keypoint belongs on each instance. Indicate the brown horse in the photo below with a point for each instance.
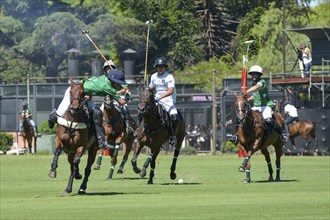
(305, 128)
(72, 136)
(153, 132)
(254, 135)
(28, 135)
(115, 134)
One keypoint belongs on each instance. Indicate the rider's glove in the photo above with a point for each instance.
(157, 98)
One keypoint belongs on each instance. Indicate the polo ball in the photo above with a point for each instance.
(180, 181)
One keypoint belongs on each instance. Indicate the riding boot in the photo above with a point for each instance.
(127, 118)
(273, 124)
(234, 137)
(99, 129)
(174, 122)
(52, 119)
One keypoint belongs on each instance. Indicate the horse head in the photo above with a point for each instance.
(76, 96)
(242, 107)
(146, 101)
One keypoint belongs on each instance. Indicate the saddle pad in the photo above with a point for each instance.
(69, 124)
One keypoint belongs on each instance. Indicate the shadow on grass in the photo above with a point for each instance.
(107, 193)
(282, 181)
(166, 184)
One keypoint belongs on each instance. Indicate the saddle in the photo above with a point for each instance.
(164, 116)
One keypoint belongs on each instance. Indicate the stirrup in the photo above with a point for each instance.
(129, 130)
(172, 141)
(104, 145)
(284, 137)
(234, 139)
(52, 119)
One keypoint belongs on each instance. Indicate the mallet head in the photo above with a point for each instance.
(150, 21)
(85, 32)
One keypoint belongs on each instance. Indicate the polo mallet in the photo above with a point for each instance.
(98, 50)
(146, 61)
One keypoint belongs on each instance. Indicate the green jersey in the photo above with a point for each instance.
(261, 96)
(27, 112)
(100, 86)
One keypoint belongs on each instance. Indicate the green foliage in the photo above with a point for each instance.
(6, 141)
(44, 128)
(202, 74)
(229, 146)
(188, 150)
(185, 32)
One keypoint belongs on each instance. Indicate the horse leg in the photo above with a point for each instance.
(243, 165)
(68, 189)
(136, 169)
(35, 145)
(125, 157)
(265, 152)
(54, 165)
(91, 158)
(293, 143)
(143, 172)
(278, 152)
(152, 167)
(173, 166)
(247, 172)
(99, 160)
(114, 154)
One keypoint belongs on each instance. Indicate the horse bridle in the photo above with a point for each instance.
(244, 111)
(149, 105)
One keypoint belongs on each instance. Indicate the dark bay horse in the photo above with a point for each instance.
(305, 128)
(115, 134)
(72, 136)
(153, 132)
(28, 135)
(253, 135)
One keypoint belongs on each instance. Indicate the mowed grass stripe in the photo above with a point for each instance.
(212, 189)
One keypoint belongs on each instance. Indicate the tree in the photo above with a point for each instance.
(51, 40)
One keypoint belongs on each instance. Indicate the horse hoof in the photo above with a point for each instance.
(270, 179)
(241, 169)
(120, 171)
(82, 191)
(277, 180)
(109, 177)
(97, 167)
(52, 174)
(67, 192)
(143, 172)
(173, 176)
(137, 170)
(150, 182)
(78, 177)
(246, 180)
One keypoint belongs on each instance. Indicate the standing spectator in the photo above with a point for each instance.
(307, 59)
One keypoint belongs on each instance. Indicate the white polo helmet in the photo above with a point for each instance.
(255, 69)
(107, 64)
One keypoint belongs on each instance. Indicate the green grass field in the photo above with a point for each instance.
(212, 189)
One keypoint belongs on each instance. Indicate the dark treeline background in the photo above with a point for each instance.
(196, 36)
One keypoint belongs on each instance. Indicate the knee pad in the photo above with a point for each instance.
(97, 115)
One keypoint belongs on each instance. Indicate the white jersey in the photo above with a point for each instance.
(291, 110)
(162, 84)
